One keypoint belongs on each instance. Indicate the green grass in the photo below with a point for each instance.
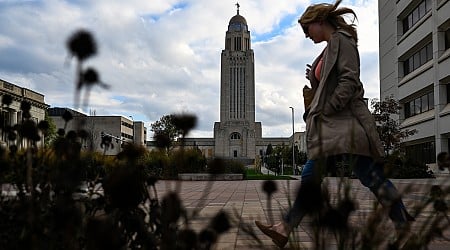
(252, 174)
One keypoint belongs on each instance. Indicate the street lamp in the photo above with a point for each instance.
(293, 139)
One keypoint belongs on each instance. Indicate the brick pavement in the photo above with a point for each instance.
(246, 202)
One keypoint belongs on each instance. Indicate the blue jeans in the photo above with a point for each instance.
(307, 171)
(369, 173)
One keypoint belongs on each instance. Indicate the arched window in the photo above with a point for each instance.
(235, 136)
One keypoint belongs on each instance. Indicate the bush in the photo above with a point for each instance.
(399, 167)
(235, 167)
(187, 161)
(156, 164)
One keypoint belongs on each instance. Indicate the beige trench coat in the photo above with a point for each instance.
(339, 121)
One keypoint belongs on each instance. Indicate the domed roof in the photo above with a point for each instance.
(238, 19)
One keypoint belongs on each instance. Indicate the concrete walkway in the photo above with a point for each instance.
(245, 202)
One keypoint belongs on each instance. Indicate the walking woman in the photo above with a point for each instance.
(339, 125)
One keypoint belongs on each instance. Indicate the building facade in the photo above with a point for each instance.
(119, 128)
(414, 41)
(12, 114)
(237, 133)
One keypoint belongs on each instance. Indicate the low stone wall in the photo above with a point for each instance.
(208, 177)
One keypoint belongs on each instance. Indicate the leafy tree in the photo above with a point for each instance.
(388, 128)
(50, 134)
(269, 149)
(300, 157)
(165, 127)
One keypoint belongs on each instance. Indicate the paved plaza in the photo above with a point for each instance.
(245, 201)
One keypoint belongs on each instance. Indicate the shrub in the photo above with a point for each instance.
(187, 161)
(235, 167)
(156, 163)
(400, 167)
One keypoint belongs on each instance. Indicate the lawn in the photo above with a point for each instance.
(252, 174)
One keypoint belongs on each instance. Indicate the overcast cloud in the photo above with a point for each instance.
(163, 56)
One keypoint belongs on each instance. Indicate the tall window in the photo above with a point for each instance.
(419, 105)
(418, 59)
(237, 44)
(416, 14)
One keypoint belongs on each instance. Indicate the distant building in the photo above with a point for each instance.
(12, 114)
(121, 129)
(415, 69)
(237, 135)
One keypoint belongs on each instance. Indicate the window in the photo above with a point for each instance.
(418, 59)
(235, 153)
(419, 105)
(416, 14)
(424, 152)
(228, 44)
(235, 136)
(237, 44)
(448, 93)
(447, 39)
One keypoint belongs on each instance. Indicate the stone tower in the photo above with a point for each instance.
(237, 132)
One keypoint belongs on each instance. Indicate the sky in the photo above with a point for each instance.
(162, 57)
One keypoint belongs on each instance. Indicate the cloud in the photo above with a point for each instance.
(163, 56)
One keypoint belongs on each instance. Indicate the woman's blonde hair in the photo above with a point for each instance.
(332, 14)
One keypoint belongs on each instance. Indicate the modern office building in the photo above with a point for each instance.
(237, 135)
(12, 114)
(119, 128)
(414, 40)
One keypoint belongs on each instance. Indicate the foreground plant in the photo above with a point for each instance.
(62, 197)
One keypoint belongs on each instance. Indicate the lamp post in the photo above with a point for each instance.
(293, 140)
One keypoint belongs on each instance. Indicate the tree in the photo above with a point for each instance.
(173, 127)
(391, 134)
(50, 135)
(166, 128)
(269, 149)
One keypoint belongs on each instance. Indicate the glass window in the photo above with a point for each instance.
(424, 100)
(417, 109)
(410, 22)
(405, 25)
(416, 59)
(429, 49)
(422, 9)
(447, 38)
(406, 67)
(411, 64)
(411, 107)
(424, 152)
(431, 100)
(407, 110)
(428, 5)
(423, 55)
(448, 93)
(415, 15)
